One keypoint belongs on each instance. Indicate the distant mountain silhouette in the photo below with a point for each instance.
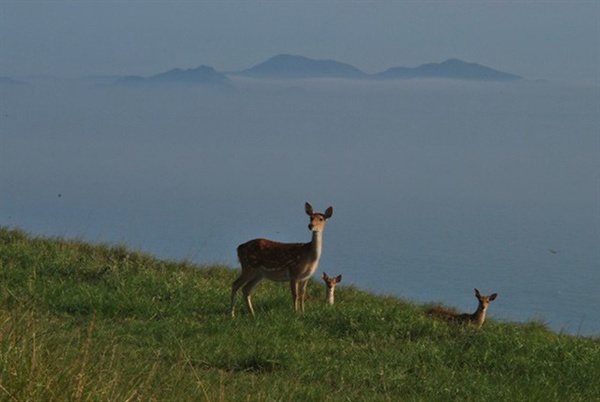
(203, 75)
(12, 81)
(289, 66)
(99, 79)
(452, 68)
(285, 66)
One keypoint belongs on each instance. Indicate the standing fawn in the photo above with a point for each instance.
(477, 317)
(281, 262)
(330, 283)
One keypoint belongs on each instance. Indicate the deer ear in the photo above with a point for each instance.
(329, 213)
(477, 294)
(308, 208)
(493, 296)
(338, 278)
(324, 276)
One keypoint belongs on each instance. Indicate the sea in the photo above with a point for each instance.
(438, 186)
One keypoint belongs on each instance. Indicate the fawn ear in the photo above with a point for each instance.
(338, 278)
(308, 208)
(477, 294)
(493, 296)
(329, 213)
(324, 276)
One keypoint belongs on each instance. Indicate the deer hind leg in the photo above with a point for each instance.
(234, 288)
(247, 289)
(245, 277)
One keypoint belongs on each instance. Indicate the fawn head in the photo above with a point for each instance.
(317, 220)
(484, 301)
(331, 282)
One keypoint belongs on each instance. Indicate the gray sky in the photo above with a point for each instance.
(558, 40)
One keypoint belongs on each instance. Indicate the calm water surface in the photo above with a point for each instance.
(438, 187)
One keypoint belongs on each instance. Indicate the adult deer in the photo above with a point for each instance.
(281, 262)
(477, 317)
(330, 284)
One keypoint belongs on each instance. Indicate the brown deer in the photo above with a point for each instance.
(477, 317)
(330, 284)
(281, 262)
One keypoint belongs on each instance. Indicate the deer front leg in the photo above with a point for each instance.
(294, 288)
(303, 294)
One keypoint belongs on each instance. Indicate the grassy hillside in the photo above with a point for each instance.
(99, 323)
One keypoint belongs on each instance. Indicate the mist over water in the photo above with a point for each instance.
(438, 187)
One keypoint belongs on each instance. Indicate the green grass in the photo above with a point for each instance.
(81, 322)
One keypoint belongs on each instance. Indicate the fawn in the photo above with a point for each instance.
(281, 262)
(477, 317)
(330, 283)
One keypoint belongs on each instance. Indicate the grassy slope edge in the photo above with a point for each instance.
(96, 322)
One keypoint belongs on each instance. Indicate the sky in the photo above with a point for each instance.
(553, 40)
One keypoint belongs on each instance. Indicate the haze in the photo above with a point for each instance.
(438, 186)
(536, 40)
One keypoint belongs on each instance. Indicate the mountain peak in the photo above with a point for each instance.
(199, 75)
(451, 69)
(291, 66)
(454, 61)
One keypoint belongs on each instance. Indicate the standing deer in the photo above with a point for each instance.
(281, 262)
(330, 283)
(477, 317)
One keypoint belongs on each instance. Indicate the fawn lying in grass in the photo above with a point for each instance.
(478, 317)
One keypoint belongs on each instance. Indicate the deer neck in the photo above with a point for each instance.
(479, 315)
(330, 296)
(316, 246)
